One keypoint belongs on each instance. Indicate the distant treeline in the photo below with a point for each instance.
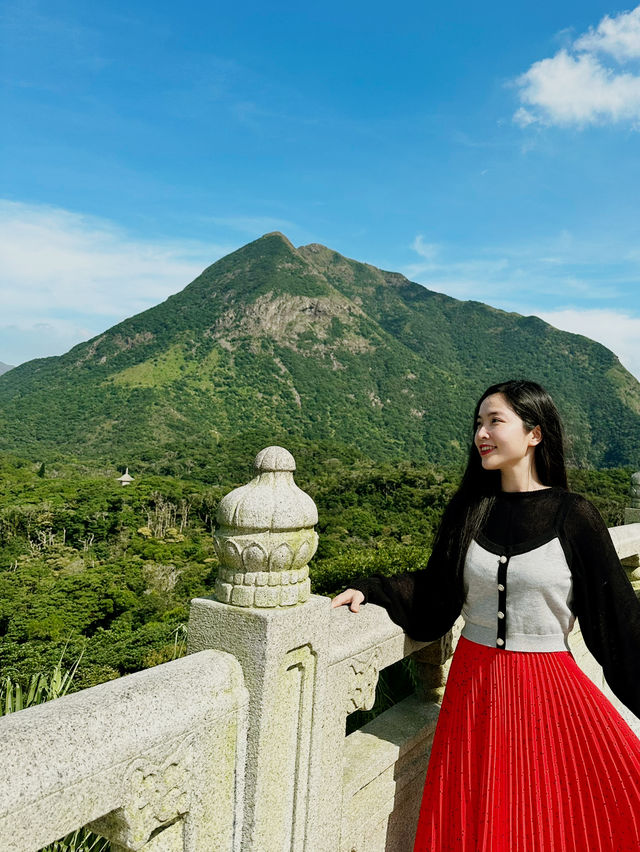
(91, 566)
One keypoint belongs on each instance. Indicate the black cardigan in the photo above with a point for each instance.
(426, 603)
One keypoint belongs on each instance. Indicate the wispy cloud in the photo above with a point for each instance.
(19, 343)
(427, 250)
(42, 49)
(617, 330)
(586, 82)
(558, 267)
(60, 264)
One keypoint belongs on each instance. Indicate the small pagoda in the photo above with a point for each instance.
(126, 478)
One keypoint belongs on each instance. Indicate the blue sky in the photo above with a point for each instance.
(487, 151)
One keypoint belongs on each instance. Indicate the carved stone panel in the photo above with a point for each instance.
(156, 795)
(364, 671)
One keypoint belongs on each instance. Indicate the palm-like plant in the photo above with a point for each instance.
(45, 687)
(42, 687)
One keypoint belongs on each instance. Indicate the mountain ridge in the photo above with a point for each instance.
(274, 342)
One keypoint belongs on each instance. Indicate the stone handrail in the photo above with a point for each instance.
(151, 760)
(356, 633)
(626, 540)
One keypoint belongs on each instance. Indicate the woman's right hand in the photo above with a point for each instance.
(350, 596)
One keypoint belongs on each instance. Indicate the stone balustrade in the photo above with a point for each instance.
(380, 778)
(241, 746)
(151, 761)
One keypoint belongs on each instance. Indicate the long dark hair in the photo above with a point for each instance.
(468, 510)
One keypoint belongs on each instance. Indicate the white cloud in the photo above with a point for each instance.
(479, 279)
(577, 90)
(618, 36)
(618, 331)
(575, 87)
(56, 263)
(426, 250)
(560, 264)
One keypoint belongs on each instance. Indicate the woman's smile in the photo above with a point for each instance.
(485, 449)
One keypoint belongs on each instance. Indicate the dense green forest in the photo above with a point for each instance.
(89, 567)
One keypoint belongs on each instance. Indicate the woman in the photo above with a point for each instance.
(528, 754)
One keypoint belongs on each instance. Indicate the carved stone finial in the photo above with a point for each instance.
(265, 537)
(274, 458)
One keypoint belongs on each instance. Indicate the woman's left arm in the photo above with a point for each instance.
(604, 602)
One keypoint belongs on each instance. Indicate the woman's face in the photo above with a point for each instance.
(501, 436)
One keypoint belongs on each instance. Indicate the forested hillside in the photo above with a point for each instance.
(274, 344)
(92, 567)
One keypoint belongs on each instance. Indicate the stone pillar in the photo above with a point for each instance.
(632, 512)
(266, 618)
(431, 664)
(632, 516)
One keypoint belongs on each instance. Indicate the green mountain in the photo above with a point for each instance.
(277, 344)
(4, 367)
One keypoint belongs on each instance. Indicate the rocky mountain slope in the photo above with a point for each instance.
(273, 344)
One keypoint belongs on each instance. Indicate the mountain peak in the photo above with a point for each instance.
(317, 247)
(277, 235)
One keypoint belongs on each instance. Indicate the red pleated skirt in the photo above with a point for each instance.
(528, 756)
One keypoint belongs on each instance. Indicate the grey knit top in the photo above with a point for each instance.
(520, 602)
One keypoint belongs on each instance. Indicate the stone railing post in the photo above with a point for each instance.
(265, 616)
(432, 664)
(632, 512)
(632, 516)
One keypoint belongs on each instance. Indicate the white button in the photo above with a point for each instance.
(500, 641)
(503, 559)
(501, 615)
(500, 587)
